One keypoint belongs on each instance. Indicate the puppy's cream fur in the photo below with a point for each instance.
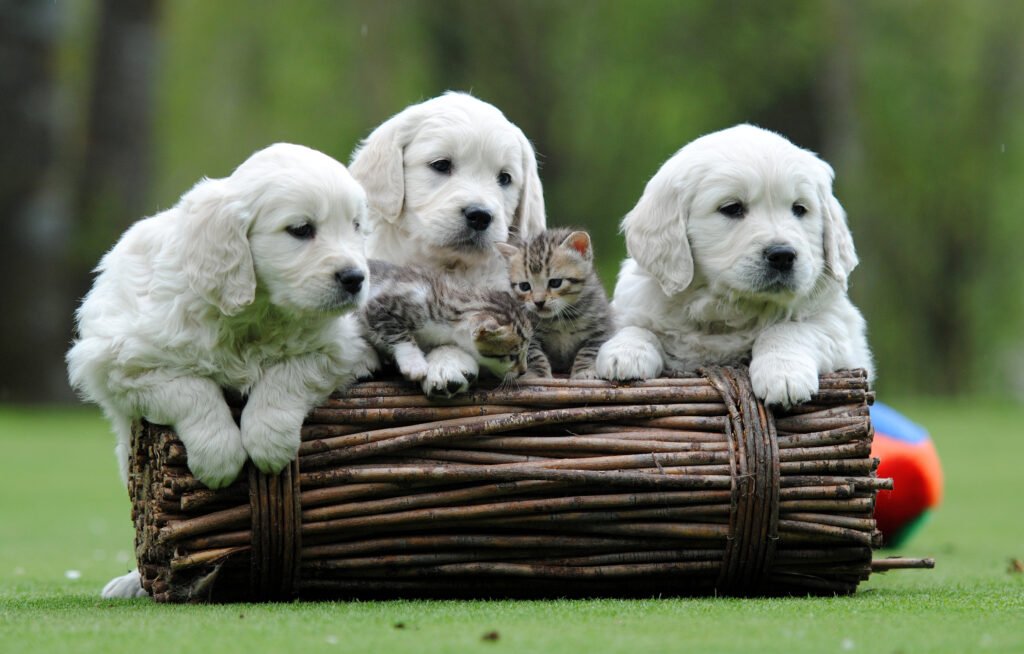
(217, 293)
(697, 288)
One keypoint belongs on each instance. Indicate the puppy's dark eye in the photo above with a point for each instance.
(303, 232)
(554, 283)
(443, 166)
(356, 225)
(799, 209)
(504, 179)
(524, 286)
(733, 210)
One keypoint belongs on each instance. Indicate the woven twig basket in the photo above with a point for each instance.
(553, 488)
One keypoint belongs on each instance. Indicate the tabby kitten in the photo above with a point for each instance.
(553, 275)
(412, 309)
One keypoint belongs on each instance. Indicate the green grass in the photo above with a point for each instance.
(62, 509)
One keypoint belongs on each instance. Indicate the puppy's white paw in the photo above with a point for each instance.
(624, 358)
(367, 362)
(411, 362)
(127, 586)
(783, 381)
(451, 371)
(215, 456)
(271, 436)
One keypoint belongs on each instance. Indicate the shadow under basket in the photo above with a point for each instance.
(552, 488)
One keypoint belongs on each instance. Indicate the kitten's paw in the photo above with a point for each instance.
(127, 586)
(589, 372)
(411, 362)
(451, 372)
(215, 454)
(271, 436)
(783, 381)
(624, 358)
(533, 374)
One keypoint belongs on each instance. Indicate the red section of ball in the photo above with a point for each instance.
(917, 479)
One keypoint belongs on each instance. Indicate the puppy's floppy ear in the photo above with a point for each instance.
(218, 262)
(840, 256)
(529, 219)
(656, 233)
(378, 165)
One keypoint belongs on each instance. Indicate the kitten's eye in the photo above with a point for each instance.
(733, 210)
(303, 232)
(524, 286)
(554, 283)
(443, 166)
(504, 179)
(356, 225)
(799, 210)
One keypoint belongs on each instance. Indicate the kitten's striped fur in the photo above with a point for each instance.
(413, 309)
(553, 276)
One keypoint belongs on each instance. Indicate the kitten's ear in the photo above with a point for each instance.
(580, 242)
(484, 324)
(507, 251)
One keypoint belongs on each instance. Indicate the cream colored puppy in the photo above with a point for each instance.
(242, 286)
(446, 180)
(739, 253)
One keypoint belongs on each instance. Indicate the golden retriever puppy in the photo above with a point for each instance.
(739, 253)
(242, 285)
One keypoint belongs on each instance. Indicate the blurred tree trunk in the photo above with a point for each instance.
(502, 45)
(43, 259)
(32, 218)
(115, 174)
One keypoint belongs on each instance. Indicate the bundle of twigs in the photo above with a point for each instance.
(554, 487)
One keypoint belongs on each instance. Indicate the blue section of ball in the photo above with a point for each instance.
(895, 425)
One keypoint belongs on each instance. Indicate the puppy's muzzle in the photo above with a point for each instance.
(477, 217)
(350, 279)
(780, 257)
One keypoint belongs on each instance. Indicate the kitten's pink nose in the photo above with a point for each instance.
(540, 304)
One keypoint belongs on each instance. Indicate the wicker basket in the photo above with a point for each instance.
(553, 488)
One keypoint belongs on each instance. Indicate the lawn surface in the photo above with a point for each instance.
(65, 530)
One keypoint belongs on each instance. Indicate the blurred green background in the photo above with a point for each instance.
(110, 109)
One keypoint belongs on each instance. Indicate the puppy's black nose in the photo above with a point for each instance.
(350, 279)
(780, 257)
(477, 217)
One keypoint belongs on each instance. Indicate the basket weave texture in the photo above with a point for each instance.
(550, 488)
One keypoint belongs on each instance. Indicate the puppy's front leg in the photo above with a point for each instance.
(786, 360)
(633, 353)
(277, 405)
(195, 407)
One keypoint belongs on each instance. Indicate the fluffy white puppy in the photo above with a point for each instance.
(239, 286)
(739, 253)
(446, 180)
